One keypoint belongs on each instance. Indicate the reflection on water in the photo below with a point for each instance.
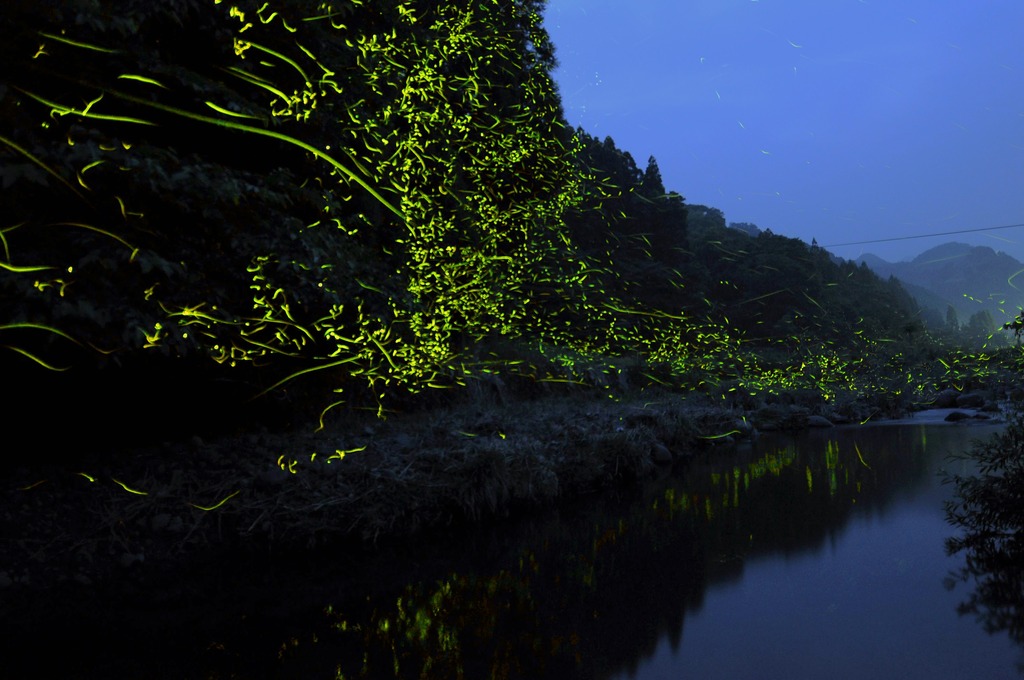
(988, 510)
(863, 596)
(816, 555)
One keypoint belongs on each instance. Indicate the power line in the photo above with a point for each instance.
(907, 238)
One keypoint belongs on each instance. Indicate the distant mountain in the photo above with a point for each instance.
(875, 264)
(970, 278)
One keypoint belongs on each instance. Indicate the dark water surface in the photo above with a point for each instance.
(818, 555)
(859, 595)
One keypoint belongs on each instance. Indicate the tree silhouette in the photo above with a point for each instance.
(651, 184)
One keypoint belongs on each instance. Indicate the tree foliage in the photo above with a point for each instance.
(379, 199)
(366, 188)
(988, 508)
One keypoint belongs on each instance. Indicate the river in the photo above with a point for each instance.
(848, 587)
(809, 555)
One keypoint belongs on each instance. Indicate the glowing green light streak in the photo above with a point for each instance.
(859, 456)
(33, 485)
(654, 379)
(233, 114)
(561, 380)
(23, 269)
(341, 453)
(386, 354)
(3, 239)
(216, 505)
(259, 82)
(128, 488)
(1012, 277)
(761, 297)
(313, 58)
(77, 43)
(369, 287)
(89, 227)
(87, 476)
(195, 314)
(267, 319)
(260, 11)
(62, 110)
(36, 359)
(272, 349)
(324, 413)
(86, 169)
(272, 135)
(814, 301)
(305, 371)
(141, 79)
(720, 436)
(283, 58)
(35, 326)
(657, 313)
(38, 327)
(27, 154)
(329, 16)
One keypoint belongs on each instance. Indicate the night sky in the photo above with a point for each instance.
(840, 120)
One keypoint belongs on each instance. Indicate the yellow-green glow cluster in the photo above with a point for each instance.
(422, 240)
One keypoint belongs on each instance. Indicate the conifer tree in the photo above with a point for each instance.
(651, 185)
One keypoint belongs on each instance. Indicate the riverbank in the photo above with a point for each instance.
(362, 482)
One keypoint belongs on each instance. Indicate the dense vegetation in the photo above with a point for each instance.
(988, 511)
(220, 216)
(963, 290)
(364, 205)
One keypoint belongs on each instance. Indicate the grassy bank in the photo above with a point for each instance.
(362, 482)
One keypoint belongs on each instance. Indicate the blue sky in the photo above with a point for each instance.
(840, 120)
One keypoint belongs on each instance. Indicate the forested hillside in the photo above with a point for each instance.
(368, 205)
(963, 290)
(361, 195)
